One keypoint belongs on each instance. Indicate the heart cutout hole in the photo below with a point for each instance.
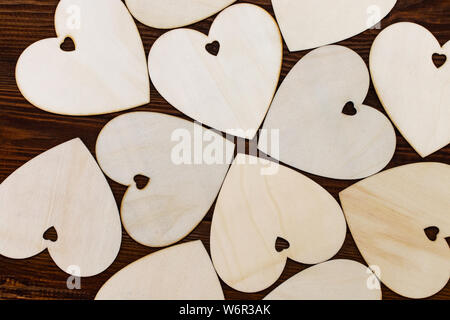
(431, 233)
(141, 181)
(51, 234)
(448, 241)
(281, 244)
(213, 48)
(439, 59)
(68, 45)
(349, 109)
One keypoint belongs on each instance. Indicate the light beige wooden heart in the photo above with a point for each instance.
(414, 92)
(184, 182)
(232, 91)
(387, 215)
(255, 208)
(314, 133)
(106, 73)
(332, 280)
(308, 24)
(62, 188)
(182, 272)
(168, 14)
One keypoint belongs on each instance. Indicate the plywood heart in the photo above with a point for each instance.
(255, 207)
(388, 214)
(62, 189)
(182, 272)
(308, 24)
(332, 280)
(230, 91)
(414, 92)
(106, 73)
(314, 133)
(167, 14)
(185, 165)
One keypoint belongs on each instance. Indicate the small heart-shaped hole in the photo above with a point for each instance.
(349, 109)
(141, 181)
(68, 45)
(448, 241)
(51, 234)
(213, 48)
(431, 233)
(439, 59)
(281, 244)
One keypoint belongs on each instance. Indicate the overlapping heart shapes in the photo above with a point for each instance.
(106, 73)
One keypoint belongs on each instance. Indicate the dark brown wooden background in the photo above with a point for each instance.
(26, 131)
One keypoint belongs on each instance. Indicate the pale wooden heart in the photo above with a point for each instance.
(179, 193)
(314, 134)
(168, 14)
(308, 24)
(182, 272)
(106, 73)
(332, 280)
(387, 215)
(415, 93)
(255, 207)
(232, 91)
(62, 188)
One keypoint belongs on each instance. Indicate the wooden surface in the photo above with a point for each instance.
(26, 131)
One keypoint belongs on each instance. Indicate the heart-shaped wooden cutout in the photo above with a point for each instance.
(255, 208)
(182, 272)
(308, 24)
(230, 91)
(184, 176)
(414, 92)
(332, 280)
(388, 215)
(63, 189)
(106, 73)
(314, 133)
(167, 14)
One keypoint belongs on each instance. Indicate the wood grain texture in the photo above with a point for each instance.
(388, 214)
(26, 131)
(179, 272)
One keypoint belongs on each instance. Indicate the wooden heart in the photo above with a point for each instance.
(308, 24)
(388, 215)
(106, 73)
(314, 133)
(254, 210)
(167, 14)
(414, 92)
(332, 280)
(62, 189)
(230, 91)
(180, 190)
(182, 272)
